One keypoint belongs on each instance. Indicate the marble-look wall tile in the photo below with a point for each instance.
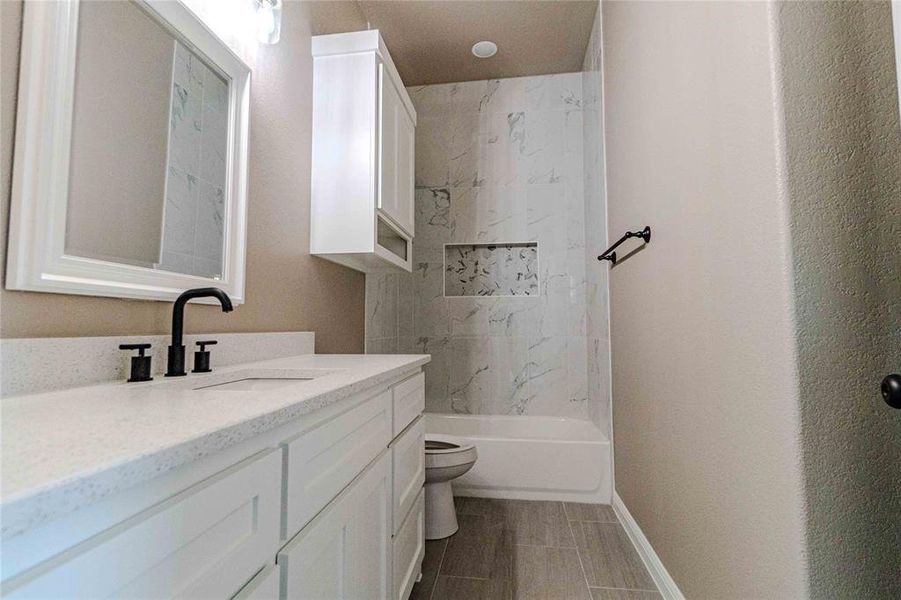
(389, 312)
(404, 306)
(501, 162)
(490, 316)
(430, 311)
(437, 371)
(381, 346)
(596, 313)
(489, 375)
(381, 306)
(557, 373)
(491, 270)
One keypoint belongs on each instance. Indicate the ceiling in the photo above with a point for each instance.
(431, 40)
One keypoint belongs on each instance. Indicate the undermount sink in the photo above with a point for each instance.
(249, 380)
(254, 384)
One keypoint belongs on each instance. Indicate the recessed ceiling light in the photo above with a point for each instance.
(484, 49)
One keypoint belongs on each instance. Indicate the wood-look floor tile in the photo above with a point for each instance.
(434, 552)
(492, 508)
(602, 513)
(531, 523)
(539, 524)
(481, 548)
(613, 594)
(465, 588)
(548, 574)
(609, 558)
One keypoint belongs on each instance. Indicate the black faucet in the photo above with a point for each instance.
(175, 366)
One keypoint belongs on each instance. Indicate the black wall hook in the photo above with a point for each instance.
(610, 255)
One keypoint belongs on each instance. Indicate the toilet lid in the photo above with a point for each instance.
(441, 444)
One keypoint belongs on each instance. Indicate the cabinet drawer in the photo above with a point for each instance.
(205, 542)
(408, 549)
(263, 586)
(323, 460)
(407, 470)
(409, 401)
(345, 551)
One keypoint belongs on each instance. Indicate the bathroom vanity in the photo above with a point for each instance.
(297, 477)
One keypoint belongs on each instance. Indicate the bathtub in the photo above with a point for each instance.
(531, 458)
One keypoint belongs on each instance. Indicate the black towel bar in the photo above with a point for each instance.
(610, 255)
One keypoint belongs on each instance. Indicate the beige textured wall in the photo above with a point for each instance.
(705, 406)
(286, 288)
(843, 141)
(124, 61)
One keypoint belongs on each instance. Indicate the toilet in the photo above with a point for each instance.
(446, 458)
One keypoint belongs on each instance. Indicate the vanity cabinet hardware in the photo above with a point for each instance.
(140, 364)
(202, 357)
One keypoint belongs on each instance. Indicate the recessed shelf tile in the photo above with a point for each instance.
(491, 269)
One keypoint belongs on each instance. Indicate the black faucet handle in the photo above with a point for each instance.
(139, 347)
(206, 343)
(140, 364)
(202, 357)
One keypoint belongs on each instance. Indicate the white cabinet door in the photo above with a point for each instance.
(344, 551)
(408, 547)
(323, 460)
(397, 134)
(408, 470)
(205, 542)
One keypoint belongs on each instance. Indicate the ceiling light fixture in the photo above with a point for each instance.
(484, 49)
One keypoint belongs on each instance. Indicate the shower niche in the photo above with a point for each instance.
(509, 269)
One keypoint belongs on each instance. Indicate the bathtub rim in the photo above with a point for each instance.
(586, 431)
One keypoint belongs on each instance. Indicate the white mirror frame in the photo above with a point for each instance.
(36, 259)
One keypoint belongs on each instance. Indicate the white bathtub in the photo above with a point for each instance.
(531, 458)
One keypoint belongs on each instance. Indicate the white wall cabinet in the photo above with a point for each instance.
(364, 127)
(397, 131)
(327, 506)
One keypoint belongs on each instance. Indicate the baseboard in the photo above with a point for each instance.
(668, 588)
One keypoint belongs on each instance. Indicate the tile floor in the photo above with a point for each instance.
(513, 550)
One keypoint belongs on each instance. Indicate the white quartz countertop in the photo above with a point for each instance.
(66, 449)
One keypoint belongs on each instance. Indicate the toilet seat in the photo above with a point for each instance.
(445, 444)
(455, 451)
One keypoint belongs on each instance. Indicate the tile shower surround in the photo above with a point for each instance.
(497, 162)
(595, 232)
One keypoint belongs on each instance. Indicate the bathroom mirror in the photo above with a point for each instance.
(131, 148)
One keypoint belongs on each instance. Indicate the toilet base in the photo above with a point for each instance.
(440, 515)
